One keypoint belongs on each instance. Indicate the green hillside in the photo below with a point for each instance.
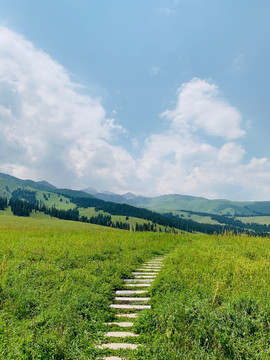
(165, 203)
(163, 213)
(176, 202)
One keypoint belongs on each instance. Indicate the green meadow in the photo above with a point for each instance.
(211, 299)
(57, 279)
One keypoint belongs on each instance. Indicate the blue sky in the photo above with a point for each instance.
(148, 96)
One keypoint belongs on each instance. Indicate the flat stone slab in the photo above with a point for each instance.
(130, 292)
(120, 334)
(145, 276)
(120, 324)
(116, 346)
(122, 298)
(145, 273)
(151, 266)
(137, 285)
(130, 316)
(138, 280)
(135, 307)
(113, 358)
(146, 270)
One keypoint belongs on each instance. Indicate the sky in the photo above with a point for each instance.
(151, 97)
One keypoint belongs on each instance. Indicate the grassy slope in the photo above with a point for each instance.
(212, 301)
(57, 280)
(177, 202)
(58, 200)
(195, 217)
(255, 219)
(167, 203)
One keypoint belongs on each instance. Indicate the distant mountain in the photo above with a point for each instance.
(45, 183)
(161, 204)
(209, 216)
(9, 183)
(174, 202)
(108, 196)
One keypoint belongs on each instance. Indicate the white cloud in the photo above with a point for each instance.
(185, 160)
(201, 107)
(48, 128)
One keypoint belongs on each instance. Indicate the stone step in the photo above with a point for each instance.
(145, 276)
(149, 270)
(143, 299)
(151, 267)
(134, 307)
(120, 324)
(130, 292)
(137, 285)
(138, 280)
(130, 316)
(144, 273)
(113, 358)
(120, 334)
(116, 346)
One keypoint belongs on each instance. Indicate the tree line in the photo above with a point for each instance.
(23, 202)
(3, 203)
(232, 222)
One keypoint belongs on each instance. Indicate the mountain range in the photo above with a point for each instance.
(161, 204)
(177, 202)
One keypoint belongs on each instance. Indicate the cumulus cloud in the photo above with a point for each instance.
(48, 128)
(185, 158)
(201, 107)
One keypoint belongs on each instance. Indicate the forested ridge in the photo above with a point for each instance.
(232, 222)
(24, 201)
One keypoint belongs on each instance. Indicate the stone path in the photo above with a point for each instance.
(133, 299)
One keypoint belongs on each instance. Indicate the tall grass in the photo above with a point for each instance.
(57, 280)
(211, 301)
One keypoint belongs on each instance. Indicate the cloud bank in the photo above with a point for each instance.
(50, 130)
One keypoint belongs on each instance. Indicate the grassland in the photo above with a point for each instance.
(88, 212)
(255, 219)
(57, 279)
(195, 217)
(211, 301)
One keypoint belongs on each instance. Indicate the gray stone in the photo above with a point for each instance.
(134, 307)
(120, 324)
(120, 334)
(149, 270)
(143, 299)
(137, 285)
(144, 273)
(131, 316)
(115, 346)
(138, 280)
(130, 292)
